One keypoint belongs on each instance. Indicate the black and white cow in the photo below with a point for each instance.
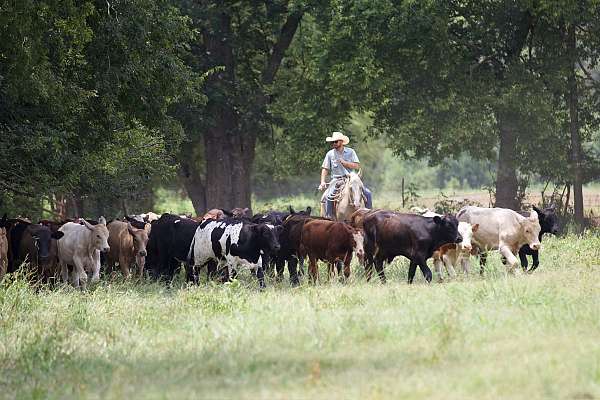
(235, 243)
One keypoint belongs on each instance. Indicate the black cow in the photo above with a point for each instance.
(158, 261)
(549, 223)
(277, 261)
(34, 243)
(236, 243)
(168, 245)
(389, 234)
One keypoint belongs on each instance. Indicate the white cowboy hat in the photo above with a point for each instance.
(338, 136)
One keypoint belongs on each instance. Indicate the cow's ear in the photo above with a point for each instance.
(308, 210)
(147, 228)
(57, 235)
(86, 224)
(437, 219)
(475, 228)
(292, 211)
(130, 228)
(537, 210)
(534, 216)
(102, 221)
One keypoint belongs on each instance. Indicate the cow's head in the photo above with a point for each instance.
(268, 237)
(240, 212)
(530, 228)
(359, 243)
(140, 240)
(303, 212)
(448, 229)
(548, 219)
(99, 234)
(214, 214)
(42, 240)
(466, 231)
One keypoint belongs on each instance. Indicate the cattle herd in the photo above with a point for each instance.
(222, 242)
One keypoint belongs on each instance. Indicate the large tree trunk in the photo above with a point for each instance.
(191, 177)
(229, 139)
(574, 129)
(229, 157)
(506, 178)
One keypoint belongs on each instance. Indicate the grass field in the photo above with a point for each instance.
(526, 337)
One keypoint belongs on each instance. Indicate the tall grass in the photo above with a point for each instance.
(497, 336)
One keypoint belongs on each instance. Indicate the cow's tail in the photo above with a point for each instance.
(190, 256)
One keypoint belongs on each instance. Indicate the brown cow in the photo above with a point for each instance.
(126, 245)
(330, 241)
(215, 214)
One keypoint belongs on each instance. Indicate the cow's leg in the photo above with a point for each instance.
(465, 263)
(95, 267)
(64, 272)
(379, 268)
(347, 261)
(482, 262)
(211, 269)
(412, 269)
(536, 260)
(140, 269)
(260, 275)
(425, 270)
(523, 258)
(124, 265)
(79, 274)
(368, 267)
(312, 269)
(192, 273)
(3, 267)
(301, 265)
(437, 264)
(292, 263)
(278, 263)
(510, 258)
(449, 261)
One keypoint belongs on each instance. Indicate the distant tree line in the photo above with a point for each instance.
(100, 101)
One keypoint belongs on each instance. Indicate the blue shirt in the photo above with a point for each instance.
(333, 165)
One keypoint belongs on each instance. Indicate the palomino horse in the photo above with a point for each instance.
(348, 198)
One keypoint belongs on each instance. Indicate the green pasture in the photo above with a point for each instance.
(533, 336)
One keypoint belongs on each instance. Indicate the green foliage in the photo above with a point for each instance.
(86, 90)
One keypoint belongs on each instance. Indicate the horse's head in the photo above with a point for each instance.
(356, 189)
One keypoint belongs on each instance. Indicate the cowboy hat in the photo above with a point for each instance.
(338, 136)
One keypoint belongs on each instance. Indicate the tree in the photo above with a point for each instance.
(244, 44)
(85, 90)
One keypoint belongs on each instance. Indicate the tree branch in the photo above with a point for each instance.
(286, 35)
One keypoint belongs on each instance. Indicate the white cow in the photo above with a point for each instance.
(451, 254)
(502, 229)
(80, 247)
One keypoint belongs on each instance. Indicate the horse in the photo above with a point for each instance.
(348, 198)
